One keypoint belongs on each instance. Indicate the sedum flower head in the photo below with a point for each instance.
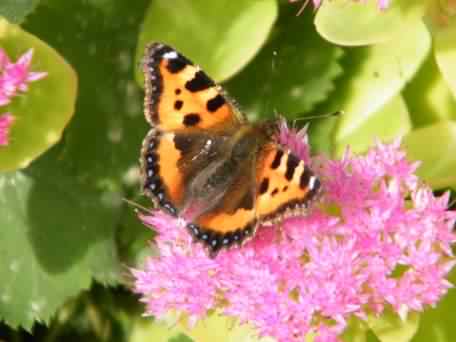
(15, 77)
(379, 239)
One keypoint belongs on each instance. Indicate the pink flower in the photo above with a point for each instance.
(378, 239)
(15, 77)
(6, 121)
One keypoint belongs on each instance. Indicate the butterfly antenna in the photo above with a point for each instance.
(303, 7)
(276, 113)
(322, 116)
(137, 206)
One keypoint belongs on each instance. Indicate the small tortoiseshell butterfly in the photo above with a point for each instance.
(203, 161)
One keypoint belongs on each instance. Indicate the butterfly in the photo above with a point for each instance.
(203, 161)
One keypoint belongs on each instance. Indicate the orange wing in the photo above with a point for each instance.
(285, 185)
(180, 96)
(171, 160)
(187, 112)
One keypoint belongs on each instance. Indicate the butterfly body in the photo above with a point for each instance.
(203, 161)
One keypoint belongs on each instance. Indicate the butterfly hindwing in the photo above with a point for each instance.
(232, 220)
(285, 184)
(170, 161)
(180, 96)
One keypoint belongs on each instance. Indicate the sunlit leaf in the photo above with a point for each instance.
(373, 76)
(428, 96)
(44, 111)
(150, 330)
(224, 329)
(443, 34)
(389, 327)
(355, 331)
(435, 147)
(367, 23)
(221, 36)
(437, 324)
(388, 123)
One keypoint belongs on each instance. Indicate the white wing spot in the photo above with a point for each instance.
(170, 55)
(312, 182)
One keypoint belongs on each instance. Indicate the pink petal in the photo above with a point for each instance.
(6, 120)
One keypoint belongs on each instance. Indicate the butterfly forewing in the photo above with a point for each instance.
(180, 96)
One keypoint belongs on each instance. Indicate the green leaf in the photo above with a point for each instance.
(222, 36)
(443, 35)
(16, 10)
(321, 134)
(291, 74)
(437, 324)
(149, 330)
(367, 23)
(428, 96)
(386, 124)
(434, 146)
(134, 238)
(373, 76)
(44, 111)
(355, 331)
(51, 243)
(391, 328)
(224, 329)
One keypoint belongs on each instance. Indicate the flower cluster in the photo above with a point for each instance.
(378, 239)
(14, 79)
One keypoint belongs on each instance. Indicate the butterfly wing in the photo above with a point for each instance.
(180, 96)
(170, 161)
(190, 117)
(232, 220)
(285, 184)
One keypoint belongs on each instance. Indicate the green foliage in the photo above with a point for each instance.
(392, 328)
(70, 200)
(428, 96)
(437, 324)
(387, 123)
(220, 328)
(291, 74)
(16, 10)
(225, 35)
(373, 76)
(143, 330)
(64, 226)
